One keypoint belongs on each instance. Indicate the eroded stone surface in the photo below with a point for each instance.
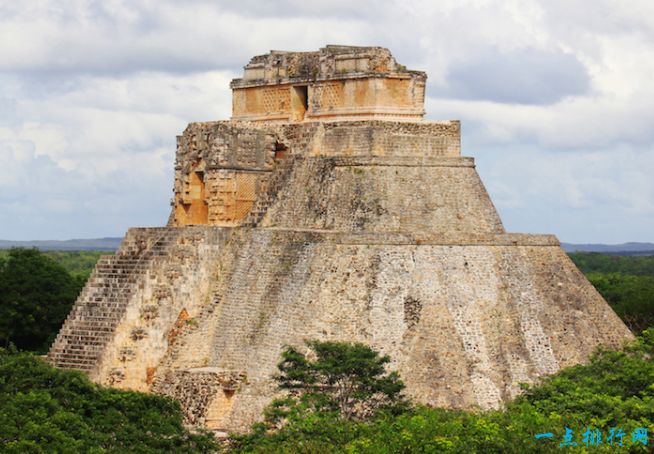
(285, 229)
(344, 82)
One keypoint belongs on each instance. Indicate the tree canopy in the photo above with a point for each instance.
(614, 391)
(45, 410)
(36, 295)
(351, 377)
(596, 262)
(626, 283)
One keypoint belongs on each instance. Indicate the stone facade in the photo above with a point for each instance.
(223, 168)
(376, 231)
(337, 82)
(220, 171)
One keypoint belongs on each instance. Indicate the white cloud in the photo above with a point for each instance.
(555, 99)
(116, 36)
(572, 194)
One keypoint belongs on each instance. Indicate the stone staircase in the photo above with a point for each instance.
(278, 179)
(103, 302)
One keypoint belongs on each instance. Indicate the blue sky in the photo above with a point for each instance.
(555, 97)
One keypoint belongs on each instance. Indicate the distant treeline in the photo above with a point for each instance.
(596, 262)
(77, 263)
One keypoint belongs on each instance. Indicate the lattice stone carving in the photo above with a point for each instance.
(236, 192)
(275, 99)
(327, 95)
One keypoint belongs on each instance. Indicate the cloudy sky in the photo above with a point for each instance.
(556, 100)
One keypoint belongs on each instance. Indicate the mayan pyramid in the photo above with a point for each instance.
(328, 208)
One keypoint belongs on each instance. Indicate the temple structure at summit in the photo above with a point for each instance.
(328, 208)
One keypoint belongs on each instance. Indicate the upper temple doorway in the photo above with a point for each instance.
(299, 102)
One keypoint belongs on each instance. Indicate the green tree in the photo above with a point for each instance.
(630, 296)
(616, 389)
(78, 263)
(598, 262)
(625, 282)
(349, 378)
(47, 410)
(36, 295)
(332, 389)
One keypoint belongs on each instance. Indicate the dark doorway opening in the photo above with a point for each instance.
(280, 151)
(299, 101)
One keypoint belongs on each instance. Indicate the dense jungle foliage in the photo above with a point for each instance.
(614, 392)
(78, 263)
(36, 294)
(47, 410)
(595, 262)
(626, 283)
(340, 399)
(37, 291)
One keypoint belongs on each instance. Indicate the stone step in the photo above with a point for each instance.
(102, 302)
(131, 263)
(83, 334)
(120, 270)
(98, 303)
(91, 319)
(77, 353)
(78, 357)
(109, 295)
(109, 284)
(127, 263)
(87, 328)
(95, 297)
(110, 291)
(99, 315)
(277, 180)
(123, 276)
(105, 286)
(73, 363)
(102, 318)
(91, 343)
(98, 326)
(73, 366)
(75, 349)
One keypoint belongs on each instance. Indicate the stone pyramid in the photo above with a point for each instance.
(328, 208)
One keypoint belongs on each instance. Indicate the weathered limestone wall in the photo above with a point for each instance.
(223, 169)
(269, 103)
(385, 195)
(465, 319)
(331, 61)
(232, 194)
(136, 301)
(396, 98)
(368, 231)
(254, 146)
(337, 82)
(171, 296)
(202, 313)
(368, 138)
(220, 170)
